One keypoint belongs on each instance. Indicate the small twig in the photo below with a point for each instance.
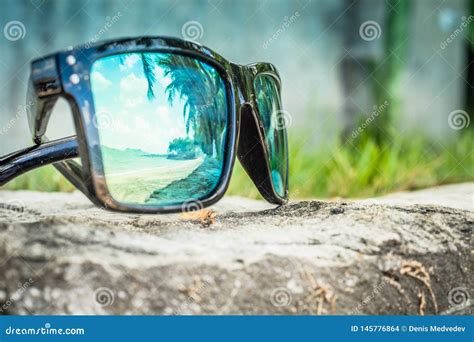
(320, 294)
(416, 270)
(205, 217)
(422, 306)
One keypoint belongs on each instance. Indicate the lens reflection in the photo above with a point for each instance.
(162, 122)
(271, 115)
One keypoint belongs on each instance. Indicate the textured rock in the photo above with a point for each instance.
(61, 255)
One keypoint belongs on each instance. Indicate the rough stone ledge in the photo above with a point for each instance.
(61, 255)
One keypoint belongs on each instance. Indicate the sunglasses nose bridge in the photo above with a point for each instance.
(248, 107)
(244, 80)
(248, 97)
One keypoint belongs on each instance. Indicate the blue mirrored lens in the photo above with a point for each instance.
(162, 123)
(274, 123)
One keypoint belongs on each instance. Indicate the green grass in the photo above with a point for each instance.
(358, 169)
(45, 178)
(365, 168)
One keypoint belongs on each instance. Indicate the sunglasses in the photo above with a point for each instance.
(159, 122)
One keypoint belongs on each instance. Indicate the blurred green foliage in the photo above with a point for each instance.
(364, 168)
(358, 168)
(45, 178)
(378, 161)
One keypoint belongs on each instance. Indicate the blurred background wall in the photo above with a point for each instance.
(337, 58)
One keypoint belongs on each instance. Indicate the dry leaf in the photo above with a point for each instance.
(205, 217)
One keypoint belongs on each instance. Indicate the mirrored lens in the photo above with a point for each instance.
(162, 122)
(274, 123)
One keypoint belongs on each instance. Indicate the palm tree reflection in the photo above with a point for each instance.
(203, 92)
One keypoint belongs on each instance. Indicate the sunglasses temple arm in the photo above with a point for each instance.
(22, 161)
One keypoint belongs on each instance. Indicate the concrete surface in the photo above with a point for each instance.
(408, 253)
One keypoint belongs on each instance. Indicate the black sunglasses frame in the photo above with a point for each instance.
(67, 74)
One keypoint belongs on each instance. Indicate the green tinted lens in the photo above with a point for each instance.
(272, 117)
(162, 122)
